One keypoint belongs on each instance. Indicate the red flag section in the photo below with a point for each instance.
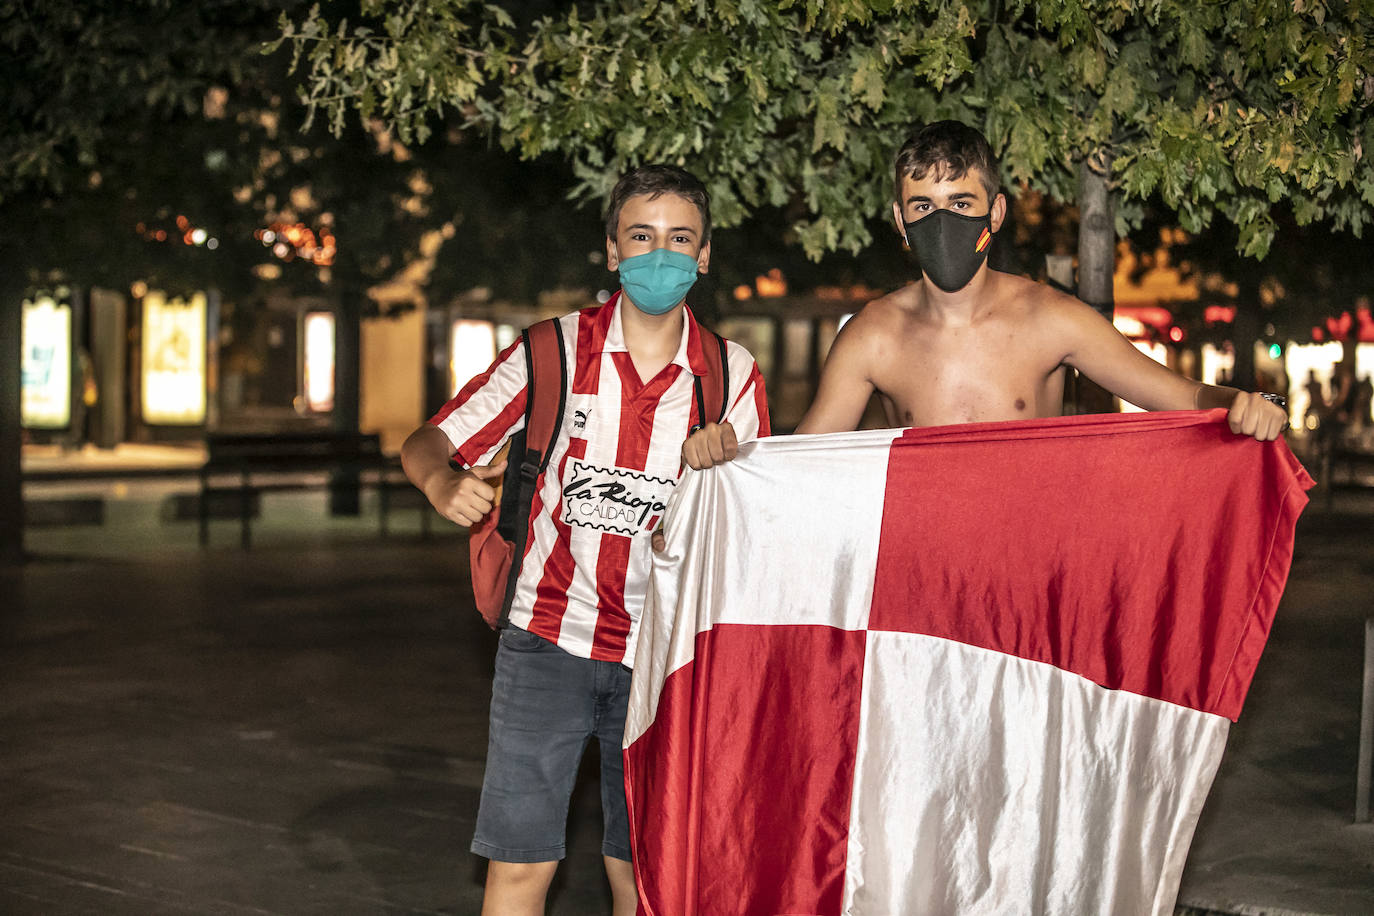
(1152, 571)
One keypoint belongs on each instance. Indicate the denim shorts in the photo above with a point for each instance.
(545, 706)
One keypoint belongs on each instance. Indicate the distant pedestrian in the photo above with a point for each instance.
(1316, 401)
(1343, 396)
(1364, 397)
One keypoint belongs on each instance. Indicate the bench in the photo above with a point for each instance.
(64, 511)
(248, 464)
(1352, 457)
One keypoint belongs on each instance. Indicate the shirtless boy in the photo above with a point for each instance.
(966, 343)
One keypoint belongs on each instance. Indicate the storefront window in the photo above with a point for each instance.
(46, 399)
(319, 361)
(472, 347)
(173, 360)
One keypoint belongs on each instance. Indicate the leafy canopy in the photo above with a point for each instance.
(124, 120)
(1214, 108)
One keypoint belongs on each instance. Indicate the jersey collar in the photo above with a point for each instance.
(688, 356)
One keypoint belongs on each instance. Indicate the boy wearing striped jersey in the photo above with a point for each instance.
(562, 669)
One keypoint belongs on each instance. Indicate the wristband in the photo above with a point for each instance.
(1279, 401)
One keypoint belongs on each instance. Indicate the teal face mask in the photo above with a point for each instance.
(658, 280)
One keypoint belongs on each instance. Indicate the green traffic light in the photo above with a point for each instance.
(1275, 351)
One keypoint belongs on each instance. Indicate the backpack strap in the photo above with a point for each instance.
(714, 387)
(546, 365)
(547, 362)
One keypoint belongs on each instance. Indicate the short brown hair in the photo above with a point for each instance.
(951, 148)
(655, 180)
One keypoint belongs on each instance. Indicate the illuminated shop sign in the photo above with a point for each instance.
(46, 387)
(173, 360)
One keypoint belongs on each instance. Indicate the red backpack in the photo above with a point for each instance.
(499, 538)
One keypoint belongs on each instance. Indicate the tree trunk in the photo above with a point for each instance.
(343, 490)
(1096, 266)
(11, 435)
(1244, 333)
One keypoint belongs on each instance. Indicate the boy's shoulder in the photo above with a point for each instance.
(594, 312)
(581, 331)
(595, 318)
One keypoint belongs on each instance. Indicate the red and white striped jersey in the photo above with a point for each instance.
(616, 461)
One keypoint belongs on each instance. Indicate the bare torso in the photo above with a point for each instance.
(998, 366)
(1002, 363)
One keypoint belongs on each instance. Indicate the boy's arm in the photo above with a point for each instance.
(464, 497)
(471, 427)
(747, 417)
(845, 386)
(839, 406)
(1100, 352)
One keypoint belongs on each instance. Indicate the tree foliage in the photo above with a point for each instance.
(128, 119)
(78, 72)
(125, 118)
(1216, 109)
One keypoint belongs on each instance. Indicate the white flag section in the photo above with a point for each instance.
(973, 669)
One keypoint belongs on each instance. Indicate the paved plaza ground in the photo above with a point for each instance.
(300, 728)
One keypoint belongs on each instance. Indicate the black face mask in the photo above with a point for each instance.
(949, 247)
